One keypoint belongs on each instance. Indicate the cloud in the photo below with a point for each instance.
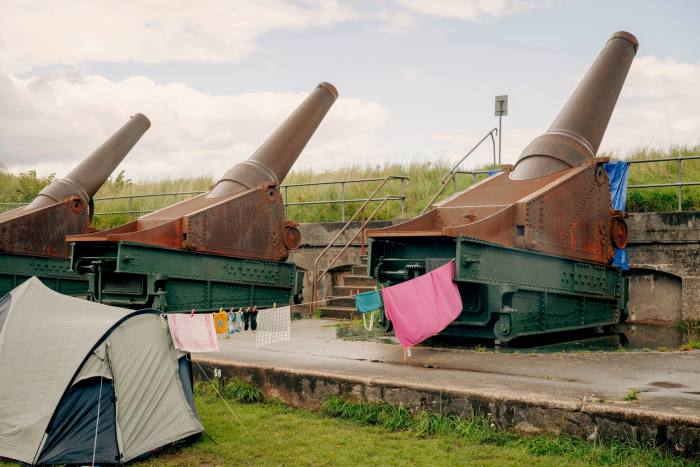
(395, 22)
(658, 106)
(39, 32)
(472, 10)
(50, 122)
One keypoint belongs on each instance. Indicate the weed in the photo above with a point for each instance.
(691, 345)
(632, 395)
(241, 391)
(234, 390)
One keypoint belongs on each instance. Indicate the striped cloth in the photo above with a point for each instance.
(193, 332)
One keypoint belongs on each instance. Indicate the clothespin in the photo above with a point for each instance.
(192, 314)
(163, 321)
(274, 305)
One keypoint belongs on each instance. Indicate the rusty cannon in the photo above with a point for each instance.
(225, 248)
(533, 245)
(32, 237)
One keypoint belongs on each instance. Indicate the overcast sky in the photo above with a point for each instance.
(417, 79)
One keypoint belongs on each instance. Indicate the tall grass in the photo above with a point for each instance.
(425, 178)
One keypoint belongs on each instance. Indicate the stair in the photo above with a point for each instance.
(341, 305)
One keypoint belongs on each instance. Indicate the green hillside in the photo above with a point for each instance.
(424, 182)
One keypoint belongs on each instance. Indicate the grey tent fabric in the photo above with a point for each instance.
(185, 373)
(4, 308)
(56, 347)
(71, 435)
(152, 408)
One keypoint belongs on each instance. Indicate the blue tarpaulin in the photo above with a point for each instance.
(617, 173)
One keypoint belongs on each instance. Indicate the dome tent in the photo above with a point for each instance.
(78, 377)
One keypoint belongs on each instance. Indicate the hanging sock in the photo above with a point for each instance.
(239, 320)
(246, 319)
(254, 318)
(422, 307)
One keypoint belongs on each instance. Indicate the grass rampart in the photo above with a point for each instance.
(424, 182)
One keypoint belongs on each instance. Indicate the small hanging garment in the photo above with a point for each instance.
(274, 325)
(422, 307)
(368, 303)
(232, 329)
(221, 321)
(193, 332)
(239, 320)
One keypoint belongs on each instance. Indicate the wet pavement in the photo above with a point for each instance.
(668, 382)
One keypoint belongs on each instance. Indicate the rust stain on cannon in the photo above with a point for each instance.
(243, 215)
(556, 199)
(62, 208)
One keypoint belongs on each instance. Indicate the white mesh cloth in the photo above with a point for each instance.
(274, 325)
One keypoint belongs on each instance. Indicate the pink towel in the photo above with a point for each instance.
(424, 306)
(193, 332)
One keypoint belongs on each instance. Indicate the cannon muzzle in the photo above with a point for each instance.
(274, 158)
(90, 175)
(576, 133)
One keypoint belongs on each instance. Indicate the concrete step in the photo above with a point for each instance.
(365, 281)
(341, 301)
(347, 290)
(337, 312)
(359, 269)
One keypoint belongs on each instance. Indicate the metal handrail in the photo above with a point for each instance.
(449, 176)
(678, 184)
(342, 201)
(316, 278)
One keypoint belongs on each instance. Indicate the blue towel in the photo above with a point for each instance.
(368, 301)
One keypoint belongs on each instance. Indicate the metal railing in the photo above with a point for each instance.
(131, 212)
(316, 278)
(679, 171)
(449, 176)
(343, 201)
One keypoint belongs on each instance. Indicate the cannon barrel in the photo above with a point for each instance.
(576, 133)
(90, 175)
(274, 158)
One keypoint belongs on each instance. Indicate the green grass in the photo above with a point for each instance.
(352, 433)
(424, 183)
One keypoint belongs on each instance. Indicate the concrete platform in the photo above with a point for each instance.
(580, 394)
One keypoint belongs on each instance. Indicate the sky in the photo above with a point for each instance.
(417, 78)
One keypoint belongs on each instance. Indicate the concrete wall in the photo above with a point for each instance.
(314, 238)
(664, 249)
(592, 421)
